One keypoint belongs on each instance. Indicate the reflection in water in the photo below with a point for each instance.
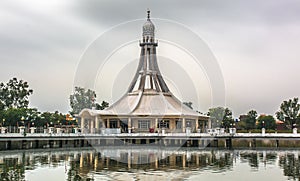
(131, 163)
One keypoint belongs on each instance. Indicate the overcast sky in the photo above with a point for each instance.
(256, 44)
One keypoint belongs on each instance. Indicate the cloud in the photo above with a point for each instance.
(256, 43)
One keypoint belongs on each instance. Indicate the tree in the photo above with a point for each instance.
(248, 121)
(188, 104)
(103, 105)
(14, 116)
(266, 121)
(289, 112)
(221, 117)
(14, 94)
(85, 99)
(81, 99)
(228, 121)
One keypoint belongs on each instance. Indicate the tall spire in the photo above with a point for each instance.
(148, 76)
(148, 14)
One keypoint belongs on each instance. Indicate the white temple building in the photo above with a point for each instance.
(148, 105)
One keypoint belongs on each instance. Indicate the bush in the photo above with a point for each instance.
(267, 131)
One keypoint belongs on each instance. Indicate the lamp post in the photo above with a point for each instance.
(22, 120)
(3, 129)
(21, 127)
(294, 128)
(263, 129)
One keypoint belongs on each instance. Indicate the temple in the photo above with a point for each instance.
(148, 105)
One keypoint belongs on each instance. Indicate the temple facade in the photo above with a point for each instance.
(148, 105)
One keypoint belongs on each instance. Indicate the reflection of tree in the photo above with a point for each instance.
(73, 172)
(84, 164)
(79, 171)
(252, 158)
(221, 162)
(11, 170)
(291, 166)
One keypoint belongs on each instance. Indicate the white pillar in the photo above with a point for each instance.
(82, 124)
(97, 124)
(107, 124)
(129, 125)
(263, 131)
(103, 124)
(32, 130)
(294, 130)
(183, 125)
(156, 122)
(163, 131)
(50, 130)
(3, 129)
(58, 130)
(22, 130)
(209, 124)
(75, 130)
(92, 126)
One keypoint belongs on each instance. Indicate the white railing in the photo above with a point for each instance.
(118, 134)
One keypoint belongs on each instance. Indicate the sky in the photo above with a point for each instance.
(255, 45)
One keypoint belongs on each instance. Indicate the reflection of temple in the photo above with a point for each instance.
(148, 104)
(138, 164)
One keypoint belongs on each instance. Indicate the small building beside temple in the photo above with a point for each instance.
(148, 105)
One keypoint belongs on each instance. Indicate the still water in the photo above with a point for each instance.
(130, 163)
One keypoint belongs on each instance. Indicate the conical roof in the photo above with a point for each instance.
(148, 94)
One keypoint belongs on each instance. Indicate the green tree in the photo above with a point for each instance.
(228, 120)
(32, 117)
(59, 118)
(289, 112)
(47, 119)
(248, 121)
(14, 94)
(103, 105)
(221, 117)
(266, 121)
(81, 99)
(14, 116)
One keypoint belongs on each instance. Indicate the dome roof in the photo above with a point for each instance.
(148, 27)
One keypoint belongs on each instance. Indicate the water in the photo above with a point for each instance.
(130, 163)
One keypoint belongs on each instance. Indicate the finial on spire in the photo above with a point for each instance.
(148, 13)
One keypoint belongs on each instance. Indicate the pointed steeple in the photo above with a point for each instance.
(148, 14)
(148, 29)
(148, 76)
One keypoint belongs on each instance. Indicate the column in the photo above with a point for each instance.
(96, 162)
(183, 125)
(91, 158)
(81, 160)
(103, 123)
(129, 159)
(107, 123)
(197, 124)
(156, 122)
(97, 124)
(91, 126)
(82, 125)
(209, 124)
(197, 160)
(129, 125)
(183, 160)
(118, 124)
